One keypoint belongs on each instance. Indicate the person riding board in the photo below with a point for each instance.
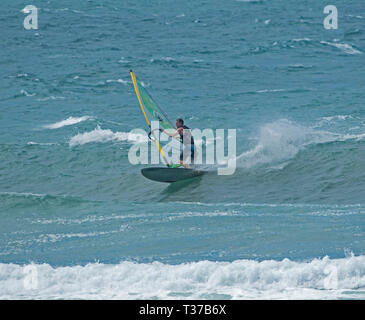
(187, 140)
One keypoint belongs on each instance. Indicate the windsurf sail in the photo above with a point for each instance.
(146, 102)
(152, 108)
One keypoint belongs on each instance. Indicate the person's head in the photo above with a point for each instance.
(179, 123)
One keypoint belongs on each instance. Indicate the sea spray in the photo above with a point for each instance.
(281, 140)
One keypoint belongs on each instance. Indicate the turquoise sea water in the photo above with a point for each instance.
(290, 223)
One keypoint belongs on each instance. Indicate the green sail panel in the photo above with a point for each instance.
(155, 112)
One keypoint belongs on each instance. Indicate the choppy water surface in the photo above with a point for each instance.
(288, 224)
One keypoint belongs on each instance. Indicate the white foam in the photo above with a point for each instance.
(343, 46)
(44, 238)
(278, 141)
(357, 17)
(281, 140)
(89, 219)
(101, 135)
(269, 90)
(345, 137)
(299, 66)
(51, 98)
(332, 119)
(241, 279)
(27, 94)
(125, 82)
(23, 194)
(165, 59)
(301, 39)
(337, 117)
(68, 122)
(31, 143)
(122, 60)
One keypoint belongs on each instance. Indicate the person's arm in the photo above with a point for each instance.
(170, 134)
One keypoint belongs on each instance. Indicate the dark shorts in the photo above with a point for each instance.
(185, 152)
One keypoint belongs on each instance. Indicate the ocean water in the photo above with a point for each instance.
(83, 221)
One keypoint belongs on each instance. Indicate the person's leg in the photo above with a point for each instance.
(192, 153)
(182, 159)
(184, 164)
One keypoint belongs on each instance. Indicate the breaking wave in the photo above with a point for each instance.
(101, 135)
(323, 278)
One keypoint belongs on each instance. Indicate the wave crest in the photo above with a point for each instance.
(241, 279)
(101, 135)
(68, 122)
